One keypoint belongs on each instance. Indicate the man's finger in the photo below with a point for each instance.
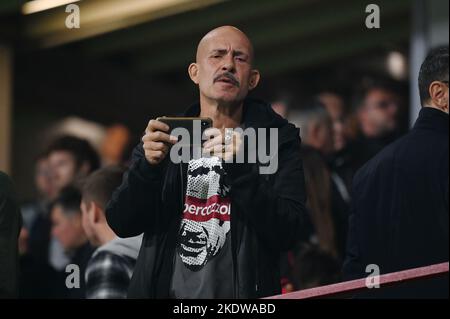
(156, 146)
(157, 154)
(155, 125)
(155, 137)
(212, 132)
(218, 149)
(159, 136)
(213, 142)
(159, 146)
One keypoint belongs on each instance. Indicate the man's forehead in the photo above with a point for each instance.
(225, 38)
(227, 45)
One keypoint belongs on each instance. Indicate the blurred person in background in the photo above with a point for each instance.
(335, 106)
(109, 270)
(187, 255)
(400, 213)
(378, 109)
(307, 263)
(45, 192)
(316, 132)
(10, 224)
(67, 160)
(280, 108)
(318, 190)
(315, 125)
(34, 213)
(282, 104)
(37, 277)
(313, 267)
(343, 160)
(43, 180)
(115, 145)
(67, 228)
(71, 159)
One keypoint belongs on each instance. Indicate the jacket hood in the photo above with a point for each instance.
(128, 247)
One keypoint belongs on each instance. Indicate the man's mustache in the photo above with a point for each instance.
(228, 76)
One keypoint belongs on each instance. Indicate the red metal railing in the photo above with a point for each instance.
(358, 285)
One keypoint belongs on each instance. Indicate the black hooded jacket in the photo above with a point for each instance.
(268, 212)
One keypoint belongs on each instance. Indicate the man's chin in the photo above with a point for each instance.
(228, 99)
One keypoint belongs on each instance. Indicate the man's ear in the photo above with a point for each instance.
(439, 95)
(89, 211)
(254, 79)
(98, 214)
(193, 72)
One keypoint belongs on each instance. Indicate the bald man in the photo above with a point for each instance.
(214, 228)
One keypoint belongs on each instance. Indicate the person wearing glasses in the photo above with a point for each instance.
(400, 212)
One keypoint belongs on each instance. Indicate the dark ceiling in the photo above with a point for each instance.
(287, 34)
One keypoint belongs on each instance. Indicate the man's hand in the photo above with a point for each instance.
(223, 144)
(157, 141)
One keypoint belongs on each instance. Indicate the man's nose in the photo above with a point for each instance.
(229, 64)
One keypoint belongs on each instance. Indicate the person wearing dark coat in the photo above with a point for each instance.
(400, 215)
(213, 229)
(10, 224)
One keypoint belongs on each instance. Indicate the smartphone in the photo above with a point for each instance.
(195, 126)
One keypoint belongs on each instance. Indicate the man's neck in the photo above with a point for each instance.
(223, 116)
(105, 235)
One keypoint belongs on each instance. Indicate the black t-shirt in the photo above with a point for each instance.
(203, 266)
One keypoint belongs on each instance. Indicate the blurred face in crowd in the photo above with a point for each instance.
(67, 228)
(116, 140)
(334, 105)
(378, 114)
(223, 70)
(90, 220)
(320, 136)
(64, 169)
(43, 180)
